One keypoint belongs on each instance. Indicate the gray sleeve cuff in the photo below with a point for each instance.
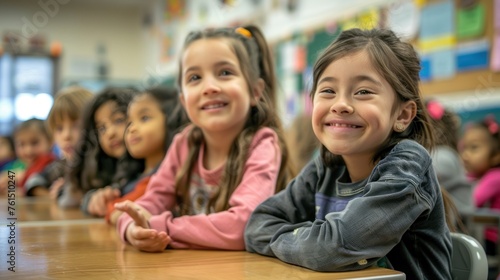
(35, 180)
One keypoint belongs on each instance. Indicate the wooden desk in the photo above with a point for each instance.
(90, 249)
(38, 209)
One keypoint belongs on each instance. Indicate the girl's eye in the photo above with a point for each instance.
(101, 130)
(363, 92)
(327, 90)
(145, 118)
(118, 121)
(59, 128)
(193, 78)
(225, 73)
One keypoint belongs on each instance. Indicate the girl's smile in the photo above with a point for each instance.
(214, 105)
(342, 126)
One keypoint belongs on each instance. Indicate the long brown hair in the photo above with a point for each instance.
(399, 64)
(91, 167)
(255, 61)
(69, 103)
(446, 124)
(302, 141)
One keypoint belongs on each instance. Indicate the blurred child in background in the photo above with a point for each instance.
(99, 148)
(231, 159)
(7, 151)
(301, 140)
(64, 123)
(153, 118)
(446, 158)
(481, 156)
(33, 145)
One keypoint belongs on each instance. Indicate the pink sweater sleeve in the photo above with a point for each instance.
(160, 192)
(222, 230)
(488, 188)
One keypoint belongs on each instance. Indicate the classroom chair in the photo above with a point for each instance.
(468, 258)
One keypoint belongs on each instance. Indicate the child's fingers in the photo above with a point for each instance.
(164, 237)
(121, 205)
(139, 233)
(157, 243)
(97, 204)
(56, 187)
(133, 210)
(148, 240)
(111, 193)
(94, 209)
(53, 193)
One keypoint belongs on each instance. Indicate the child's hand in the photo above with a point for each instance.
(145, 239)
(138, 233)
(137, 212)
(99, 199)
(55, 188)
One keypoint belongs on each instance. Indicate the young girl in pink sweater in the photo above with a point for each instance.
(481, 156)
(227, 162)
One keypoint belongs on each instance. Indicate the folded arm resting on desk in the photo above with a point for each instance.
(396, 204)
(221, 230)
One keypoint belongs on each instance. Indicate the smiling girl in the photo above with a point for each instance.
(221, 167)
(373, 196)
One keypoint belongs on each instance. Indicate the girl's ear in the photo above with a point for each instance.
(407, 112)
(258, 90)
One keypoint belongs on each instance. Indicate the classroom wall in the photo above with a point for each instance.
(142, 43)
(136, 32)
(81, 26)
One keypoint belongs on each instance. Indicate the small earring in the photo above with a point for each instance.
(400, 127)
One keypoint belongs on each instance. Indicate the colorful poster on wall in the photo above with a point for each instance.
(471, 22)
(174, 10)
(495, 53)
(437, 27)
(403, 18)
(167, 44)
(473, 55)
(425, 70)
(369, 19)
(443, 64)
(496, 14)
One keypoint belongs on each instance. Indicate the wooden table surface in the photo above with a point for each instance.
(38, 209)
(63, 246)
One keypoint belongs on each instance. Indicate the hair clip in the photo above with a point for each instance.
(435, 109)
(243, 31)
(491, 124)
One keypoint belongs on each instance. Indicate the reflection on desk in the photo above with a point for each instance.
(38, 209)
(90, 249)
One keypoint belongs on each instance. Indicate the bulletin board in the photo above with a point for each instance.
(474, 79)
(294, 70)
